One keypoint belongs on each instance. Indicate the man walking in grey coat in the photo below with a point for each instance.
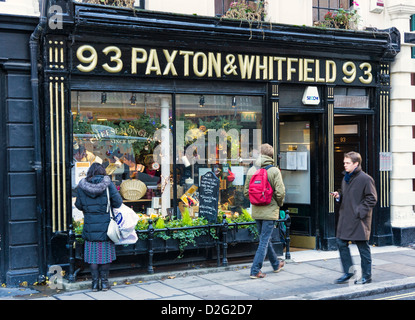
(357, 198)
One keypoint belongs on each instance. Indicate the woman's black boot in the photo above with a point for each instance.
(95, 277)
(104, 273)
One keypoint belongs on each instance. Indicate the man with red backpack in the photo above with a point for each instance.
(266, 192)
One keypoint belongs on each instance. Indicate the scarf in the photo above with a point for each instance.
(348, 176)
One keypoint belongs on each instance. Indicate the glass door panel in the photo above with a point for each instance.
(295, 161)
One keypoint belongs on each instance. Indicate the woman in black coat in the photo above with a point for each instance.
(92, 199)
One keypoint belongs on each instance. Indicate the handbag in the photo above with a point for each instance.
(113, 231)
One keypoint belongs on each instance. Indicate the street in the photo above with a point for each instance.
(408, 294)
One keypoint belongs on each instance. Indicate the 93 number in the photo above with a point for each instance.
(91, 58)
(349, 70)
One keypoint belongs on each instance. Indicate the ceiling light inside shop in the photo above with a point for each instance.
(103, 98)
(133, 100)
(202, 101)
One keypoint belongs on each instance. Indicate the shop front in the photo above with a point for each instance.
(162, 101)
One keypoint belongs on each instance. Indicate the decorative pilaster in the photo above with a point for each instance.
(384, 151)
(56, 131)
(330, 144)
(274, 100)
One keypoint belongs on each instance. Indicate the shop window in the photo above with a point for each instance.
(356, 98)
(221, 6)
(131, 134)
(321, 7)
(221, 134)
(121, 131)
(346, 129)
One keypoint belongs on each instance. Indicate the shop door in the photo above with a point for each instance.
(349, 135)
(299, 167)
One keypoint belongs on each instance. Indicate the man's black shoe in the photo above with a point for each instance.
(363, 281)
(344, 278)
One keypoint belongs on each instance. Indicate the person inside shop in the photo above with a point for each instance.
(356, 198)
(266, 215)
(99, 250)
(149, 173)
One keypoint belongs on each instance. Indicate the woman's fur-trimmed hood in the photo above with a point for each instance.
(96, 187)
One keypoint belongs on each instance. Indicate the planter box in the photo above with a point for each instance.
(244, 236)
(240, 236)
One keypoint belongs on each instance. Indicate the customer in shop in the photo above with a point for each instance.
(92, 198)
(266, 215)
(357, 198)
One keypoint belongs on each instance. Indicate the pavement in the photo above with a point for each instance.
(308, 275)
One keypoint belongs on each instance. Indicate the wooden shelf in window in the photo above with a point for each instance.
(139, 200)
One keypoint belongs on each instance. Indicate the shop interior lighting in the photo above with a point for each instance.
(202, 101)
(234, 102)
(133, 100)
(103, 98)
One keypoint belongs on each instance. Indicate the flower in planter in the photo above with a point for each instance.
(342, 18)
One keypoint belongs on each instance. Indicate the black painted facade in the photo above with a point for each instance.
(34, 224)
(19, 225)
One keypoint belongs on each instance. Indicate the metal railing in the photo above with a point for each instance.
(222, 229)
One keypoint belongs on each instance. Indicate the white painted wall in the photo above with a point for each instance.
(20, 7)
(199, 7)
(296, 12)
(397, 14)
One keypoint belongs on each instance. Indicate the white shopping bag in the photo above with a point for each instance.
(126, 219)
(130, 239)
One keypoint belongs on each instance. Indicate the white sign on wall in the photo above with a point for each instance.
(311, 96)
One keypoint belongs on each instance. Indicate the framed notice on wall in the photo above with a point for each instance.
(385, 161)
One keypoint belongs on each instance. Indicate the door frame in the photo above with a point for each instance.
(316, 168)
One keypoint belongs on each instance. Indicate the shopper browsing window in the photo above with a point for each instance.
(92, 199)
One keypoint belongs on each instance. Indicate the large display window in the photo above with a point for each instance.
(131, 134)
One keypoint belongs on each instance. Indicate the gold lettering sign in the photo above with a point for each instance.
(197, 64)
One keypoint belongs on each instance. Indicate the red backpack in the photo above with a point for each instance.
(260, 190)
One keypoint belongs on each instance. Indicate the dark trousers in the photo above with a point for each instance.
(346, 258)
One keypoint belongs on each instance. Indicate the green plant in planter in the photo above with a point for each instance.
(117, 3)
(248, 11)
(243, 217)
(142, 225)
(187, 236)
(78, 226)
